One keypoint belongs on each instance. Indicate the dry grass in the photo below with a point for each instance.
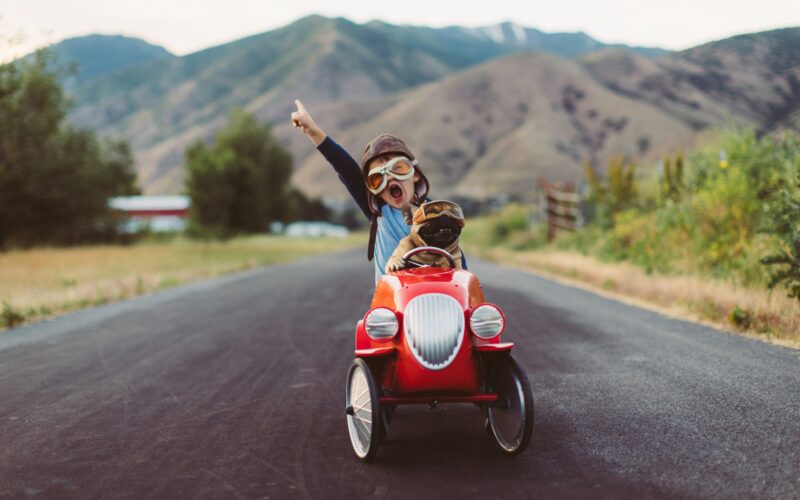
(770, 316)
(43, 282)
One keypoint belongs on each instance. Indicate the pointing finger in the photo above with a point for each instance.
(300, 106)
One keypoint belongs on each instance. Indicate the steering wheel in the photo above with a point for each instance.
(435, 250)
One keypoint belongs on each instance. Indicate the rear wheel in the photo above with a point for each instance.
(511, 418)
(364, 419)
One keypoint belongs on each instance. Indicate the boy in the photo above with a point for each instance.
(387, 184)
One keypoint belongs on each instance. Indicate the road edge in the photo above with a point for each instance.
(675, 312)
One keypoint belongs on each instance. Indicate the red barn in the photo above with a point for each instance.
(161, 214)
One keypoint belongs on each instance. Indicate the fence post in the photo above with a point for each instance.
(563, 209)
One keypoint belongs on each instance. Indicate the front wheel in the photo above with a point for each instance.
(364, 418)
(511, 418)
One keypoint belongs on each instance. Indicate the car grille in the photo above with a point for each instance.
(434, 327)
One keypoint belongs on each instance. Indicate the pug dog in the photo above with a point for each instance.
(435, 224)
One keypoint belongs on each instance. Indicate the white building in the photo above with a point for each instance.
(161, 214)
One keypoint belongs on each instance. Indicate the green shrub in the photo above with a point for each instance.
(784, 215)
(740, 318)
(528, 238)
(635, 237)
(724, 216)
(511, 218)
(10, 316)
(613, 193)
(703, 216)
(671, 183)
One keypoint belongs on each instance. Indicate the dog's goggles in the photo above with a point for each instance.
(433, 209)
(401, 168)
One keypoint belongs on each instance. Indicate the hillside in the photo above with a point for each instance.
(484, 120)
(497, 127)
(161, 106)
(752, 79)
(97, 55)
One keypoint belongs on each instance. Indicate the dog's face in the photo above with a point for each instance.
(440, 231)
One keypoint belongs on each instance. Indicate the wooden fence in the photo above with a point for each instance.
(560, 205)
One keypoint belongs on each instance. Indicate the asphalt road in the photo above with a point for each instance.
(234, 388)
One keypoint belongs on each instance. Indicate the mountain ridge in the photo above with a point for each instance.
(659, 105)
(362, 79)
(96, 55)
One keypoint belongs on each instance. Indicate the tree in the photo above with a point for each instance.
(785, 224)
(240, 183)
(671, 183)
(614, 193)
(55, 180)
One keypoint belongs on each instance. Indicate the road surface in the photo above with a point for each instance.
(234, 388)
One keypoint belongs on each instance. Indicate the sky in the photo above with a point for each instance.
(186, 26)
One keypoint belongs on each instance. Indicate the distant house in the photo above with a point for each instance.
(160, 214)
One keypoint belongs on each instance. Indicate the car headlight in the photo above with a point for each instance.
(487, 321)
(381, 323)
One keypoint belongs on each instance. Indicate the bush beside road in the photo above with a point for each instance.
(713, 236)
(751, 311)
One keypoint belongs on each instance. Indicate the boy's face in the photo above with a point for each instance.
(397, 193)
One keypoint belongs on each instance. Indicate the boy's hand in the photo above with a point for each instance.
(302, 120)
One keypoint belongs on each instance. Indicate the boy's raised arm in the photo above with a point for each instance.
(344, 164)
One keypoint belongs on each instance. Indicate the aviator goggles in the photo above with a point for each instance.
(400, 167)
(433, 209)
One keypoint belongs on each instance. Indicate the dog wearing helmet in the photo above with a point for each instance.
(437, 224)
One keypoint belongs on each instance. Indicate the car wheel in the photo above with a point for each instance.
(363, 410)
(511, 418)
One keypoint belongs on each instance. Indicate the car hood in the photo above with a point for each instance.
(395, 290)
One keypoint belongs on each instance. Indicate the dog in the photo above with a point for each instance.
(437, 224)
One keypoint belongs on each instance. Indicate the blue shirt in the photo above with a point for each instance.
(392, 228)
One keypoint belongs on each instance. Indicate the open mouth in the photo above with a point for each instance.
(440, 232)
(396, 192)
(443, 232)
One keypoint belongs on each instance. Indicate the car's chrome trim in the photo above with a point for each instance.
(434, 329)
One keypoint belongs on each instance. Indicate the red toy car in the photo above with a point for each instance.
(430, 338)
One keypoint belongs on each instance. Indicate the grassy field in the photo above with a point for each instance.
(749, 310)
(38, 283)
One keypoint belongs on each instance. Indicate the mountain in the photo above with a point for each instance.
(497, 127)
(752, 79)
(162, 105)
(746, 67)
(96, 55)
(488, 110)
(562, 44)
